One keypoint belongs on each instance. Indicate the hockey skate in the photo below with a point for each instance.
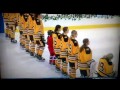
(52, 60)
(31, 54)
(58, 69)
(20, 44)
(64, 73)
(6, 35)
(35, 55)
(13, 40)
(27, 50)
(40, 58)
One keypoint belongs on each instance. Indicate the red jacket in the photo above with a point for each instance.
(50, 45)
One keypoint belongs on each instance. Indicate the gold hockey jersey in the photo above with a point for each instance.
(64, 46)
(11, 16)
(56, 42)
(104, 68)
(5, 15)
(31, 20)
(25, 22)
(73, 50)
(85, 55)
(38, 26)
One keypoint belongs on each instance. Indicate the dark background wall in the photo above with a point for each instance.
(1, 24)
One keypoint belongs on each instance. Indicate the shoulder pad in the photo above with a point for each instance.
(75, 42)
(87, 50)
(65, 37)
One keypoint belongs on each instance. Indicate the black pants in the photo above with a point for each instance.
(83, 72)
(21, 32)
(57, 55)
(12, 39)
(71, 64)
(63, 59)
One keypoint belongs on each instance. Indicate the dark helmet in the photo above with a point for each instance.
(50, 32)
(109, 56)
(85, 40)
(73, 32)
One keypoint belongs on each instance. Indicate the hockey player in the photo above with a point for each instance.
(32, 24)
(16, 18)
(37, 46)
(16, 21)
(38, 36)
(85, 56)
(21, 27)
(25, 24)
(25, 21)
(12, 35)
(6, 20)
(11, 18)
(11, 23)
(31, 46)
(105, 67)
(6, 29)
(31, 19)
(50, 47)
(20, 20)
(73, 50)
(5, 16)
(64, 50)
(39, 29)
(40, 50)
(56, 44)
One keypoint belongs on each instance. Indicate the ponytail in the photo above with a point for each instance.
(56, 28)
(85, 41)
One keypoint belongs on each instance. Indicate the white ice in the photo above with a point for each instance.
(16, 63)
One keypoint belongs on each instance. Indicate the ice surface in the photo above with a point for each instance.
(16, 63)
